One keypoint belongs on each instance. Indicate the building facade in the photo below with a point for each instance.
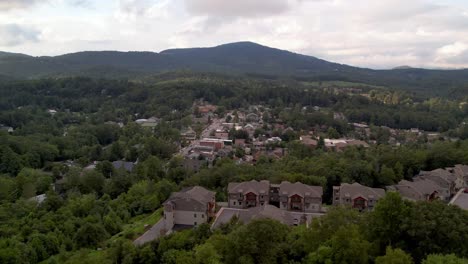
(190, 207)
(288, 196)
(357, 196)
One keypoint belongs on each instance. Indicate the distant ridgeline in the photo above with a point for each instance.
(235, 58)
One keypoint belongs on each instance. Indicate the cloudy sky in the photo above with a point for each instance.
(367, 33)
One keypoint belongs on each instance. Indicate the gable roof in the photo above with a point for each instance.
(247, 215)
(440, 173)
(461, 170)
(193, 198)
(356, 189)
(289, 189)
(257, 187)
(420, 185)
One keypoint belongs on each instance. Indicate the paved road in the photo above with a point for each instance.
(153, 233)
(204, 134)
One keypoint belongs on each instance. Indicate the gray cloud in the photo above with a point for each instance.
(368, 33)
(14, 34)
(80, 3)
(136, 7)
(238, 8)
(6, 5)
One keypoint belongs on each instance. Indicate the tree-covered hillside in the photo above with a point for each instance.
(67, 132)
(235, 58)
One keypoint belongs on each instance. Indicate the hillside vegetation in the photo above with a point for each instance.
(236, 59)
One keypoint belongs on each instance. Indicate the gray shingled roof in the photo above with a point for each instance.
(441, 173)
(462, 169)
(249, 186)
(287, 188)
(259, 212)
(193, 198)
(356, 189)
(421, 186)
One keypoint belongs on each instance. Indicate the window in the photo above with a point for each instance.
(164, 216)
(194, 223)
(234, 203)
(195, 215)
(240, 203)
(202, 216)
(261, 203)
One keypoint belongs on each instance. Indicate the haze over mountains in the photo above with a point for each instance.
(233, 58)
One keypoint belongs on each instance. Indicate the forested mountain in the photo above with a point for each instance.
(234, 58)
(93, 215)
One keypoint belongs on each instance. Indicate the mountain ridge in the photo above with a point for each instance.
(238, 58)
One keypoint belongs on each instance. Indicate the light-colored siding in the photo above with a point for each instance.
(188, 217)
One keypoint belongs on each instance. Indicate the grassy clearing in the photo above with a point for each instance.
(130, 231)
(136, 226)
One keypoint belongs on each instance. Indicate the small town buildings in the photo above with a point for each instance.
(341, 144)
(221, 134)
(299, 197)
(202, 149)
(444, 178)
(360, 125)
(288, 203)
(215, 143)
(419, 189)
(248, 194)
(308, 141)
(428, 185)
(273, 140)
(357, 143)
(188, 134)
(357, 196)
(250, 129)
(190, 207)
(287, 196)
(335, 144)
(228, 125)
(247, 215)
(252, 117)
(206, 109)
(239, 142)
(150, 122)
(290, 218)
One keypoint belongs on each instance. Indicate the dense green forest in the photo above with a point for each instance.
(237, 59)
(92, 216)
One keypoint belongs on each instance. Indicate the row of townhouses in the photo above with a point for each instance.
(286, 196)
(298, 203)
(289, 203)
(436, 184)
